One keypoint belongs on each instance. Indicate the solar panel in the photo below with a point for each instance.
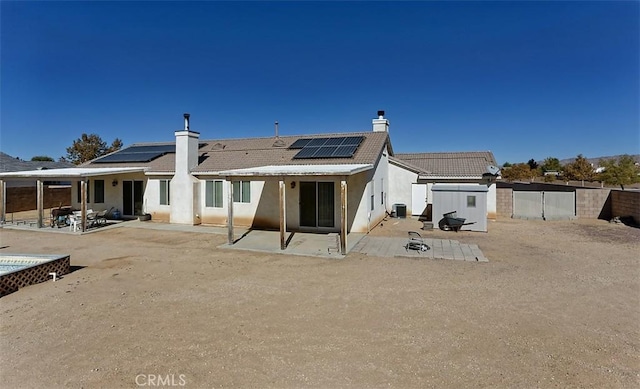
(171, 148)
(336, 147)
(345, 151)
(317, 142)
(324, 152)
(306, 153)
(300, 143)
(130, 157)
(352, 140)
(334, 142)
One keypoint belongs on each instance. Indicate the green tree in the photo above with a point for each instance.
(507, 164)
(42, 158)
(89, 147)
(533, 165)
(518, 171)
(622, 171)
(580, 170)
(551, 164)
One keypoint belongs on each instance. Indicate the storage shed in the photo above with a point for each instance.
(469, 202)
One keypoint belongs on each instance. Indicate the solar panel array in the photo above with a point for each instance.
(144, 153)
(335, 147)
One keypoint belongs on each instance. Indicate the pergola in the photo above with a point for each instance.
(282, 171)
(68, 174)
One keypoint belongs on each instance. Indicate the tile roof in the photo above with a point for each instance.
(226, 154)
(450, 164)
(11, 164)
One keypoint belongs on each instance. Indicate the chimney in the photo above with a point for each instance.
(184, 186)
(380, 124)
(186, 148)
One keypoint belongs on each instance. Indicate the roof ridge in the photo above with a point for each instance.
(289, 136)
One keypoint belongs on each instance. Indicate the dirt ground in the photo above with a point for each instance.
(558, 305)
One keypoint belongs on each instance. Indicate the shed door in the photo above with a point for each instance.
(559, 205)
(527, 205)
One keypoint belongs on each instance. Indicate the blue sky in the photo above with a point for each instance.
(522, 79)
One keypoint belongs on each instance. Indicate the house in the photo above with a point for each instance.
(421, 171)
(333, 183)
(329, 183)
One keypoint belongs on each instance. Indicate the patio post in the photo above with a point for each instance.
(83, 203)
(230, 209)
(40, 202)
(343, 216)
(3, 201)
(283, 214)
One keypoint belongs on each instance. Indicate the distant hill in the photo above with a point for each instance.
(595, 161)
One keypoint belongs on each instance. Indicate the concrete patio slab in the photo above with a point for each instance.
(380, 246)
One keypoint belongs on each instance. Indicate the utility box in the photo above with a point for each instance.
(468, 201)
(400, 210)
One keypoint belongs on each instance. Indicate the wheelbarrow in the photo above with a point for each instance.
(450, 221)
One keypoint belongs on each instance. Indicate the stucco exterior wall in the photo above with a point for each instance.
(263, 210)
(113, 196)
(492, 202)
(378, 184)
(152, 205)
(400, 181)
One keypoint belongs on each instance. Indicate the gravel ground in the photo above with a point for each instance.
(558, 305)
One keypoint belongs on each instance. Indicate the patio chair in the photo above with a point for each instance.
(75, 221)
(96, 219)
(415, 242)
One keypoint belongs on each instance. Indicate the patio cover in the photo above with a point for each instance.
(77, 173)
(297, 170)
(72, 172)
(282, 171)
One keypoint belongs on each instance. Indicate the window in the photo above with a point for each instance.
(213, 194)
(241, 191)
(471, 201)
(373, 194)
(382, 191)
(98, 191)
(164, 192)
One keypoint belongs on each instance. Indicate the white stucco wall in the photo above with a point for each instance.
(112, 194)
(492, 202)
(263, 211)
(183, 199)
(378, 179)
(400, 180)
(152, 200)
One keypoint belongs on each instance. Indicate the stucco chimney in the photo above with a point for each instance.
(184, 186)
(186, 148)
(380, 124)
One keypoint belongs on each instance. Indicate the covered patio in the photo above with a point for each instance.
(287, 171)
(80, 175)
